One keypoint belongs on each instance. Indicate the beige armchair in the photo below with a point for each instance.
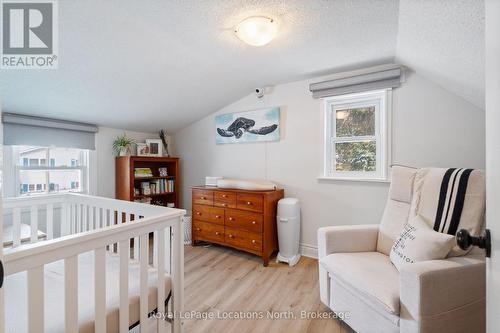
(358, 279)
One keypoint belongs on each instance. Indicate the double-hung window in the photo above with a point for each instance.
(42, 170)
(357, 135)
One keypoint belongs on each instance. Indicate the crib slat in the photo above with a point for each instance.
(71, 294)
(100, 290)
(34, 223)
(85, 217)
(72, 219)
(35, 300)
(65, 219)
(106, 223)
(97, 217)
(136, 243)
(50, 221)
(136, 248)
(16, 227)
(118, 220)
(108, 217)
(91, 217)
(168, 249)
(124, 260)
(159, 245)
(155, 249)
(143, 300)
(78, 218)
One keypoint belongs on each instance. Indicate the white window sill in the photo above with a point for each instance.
(369, 180)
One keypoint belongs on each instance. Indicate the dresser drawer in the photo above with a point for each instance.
(243, 239)
(203, 197)
(217, 215)
(225, 199)
(201, 212)
(244, 220)
(253, 202)
(208, 214)
(208, 231)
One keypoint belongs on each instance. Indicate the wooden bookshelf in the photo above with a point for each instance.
(126, 180)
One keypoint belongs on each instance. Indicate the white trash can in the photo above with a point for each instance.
(186, 220)
(288, 221)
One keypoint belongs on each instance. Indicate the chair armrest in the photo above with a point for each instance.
(433, 287)
(352, 238)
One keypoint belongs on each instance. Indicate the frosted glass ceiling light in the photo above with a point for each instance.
(257, 30)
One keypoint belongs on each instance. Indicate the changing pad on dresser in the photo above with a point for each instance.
(243, 184)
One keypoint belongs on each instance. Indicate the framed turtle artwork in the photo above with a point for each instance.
(249, 126)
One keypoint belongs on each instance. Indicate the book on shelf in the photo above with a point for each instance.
(143, 173)
(157, 186)
(146, 188)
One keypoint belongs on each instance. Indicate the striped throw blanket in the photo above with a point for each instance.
(450, 200)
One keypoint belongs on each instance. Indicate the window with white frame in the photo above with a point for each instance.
(357, 135)
(42, 170)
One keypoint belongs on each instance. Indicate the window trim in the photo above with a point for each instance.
(383, 131)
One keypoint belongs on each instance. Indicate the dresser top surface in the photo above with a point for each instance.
(215, 188)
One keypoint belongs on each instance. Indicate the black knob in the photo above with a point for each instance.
(465, 240)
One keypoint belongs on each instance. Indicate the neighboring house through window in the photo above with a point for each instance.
(357, 135)
(67, 170)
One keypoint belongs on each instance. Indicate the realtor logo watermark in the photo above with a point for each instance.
(29, 34)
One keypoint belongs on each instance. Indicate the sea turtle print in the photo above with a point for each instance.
(241, 125)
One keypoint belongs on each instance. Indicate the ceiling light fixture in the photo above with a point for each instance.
(257, 30)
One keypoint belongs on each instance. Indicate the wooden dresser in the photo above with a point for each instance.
(245, 220)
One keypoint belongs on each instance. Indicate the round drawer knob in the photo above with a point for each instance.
(253, 222)
(202, 198)
(198, 229)
(231, 236)
(254, 241)
(217, 233)
(217, 216)
(224, 204)
(231, 219)
(224, 196)
(198, 213)
(249, 202)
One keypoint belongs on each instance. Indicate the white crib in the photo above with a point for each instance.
(81, 230)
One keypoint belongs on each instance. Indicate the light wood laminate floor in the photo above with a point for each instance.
(219, 279)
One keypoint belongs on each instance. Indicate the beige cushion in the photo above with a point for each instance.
(397, 209)
(370, 275)
(15, 293)
(419, 242)
(428, 189)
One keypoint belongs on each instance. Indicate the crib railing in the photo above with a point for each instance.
(88, 223)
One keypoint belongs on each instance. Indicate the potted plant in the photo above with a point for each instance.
(123, 145)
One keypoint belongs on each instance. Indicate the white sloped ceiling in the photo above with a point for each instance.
(444, 41)
(145, 65)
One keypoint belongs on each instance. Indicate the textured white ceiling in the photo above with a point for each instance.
(444, 41)
(146, 65)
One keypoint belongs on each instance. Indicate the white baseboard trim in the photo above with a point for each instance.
(308, 251)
